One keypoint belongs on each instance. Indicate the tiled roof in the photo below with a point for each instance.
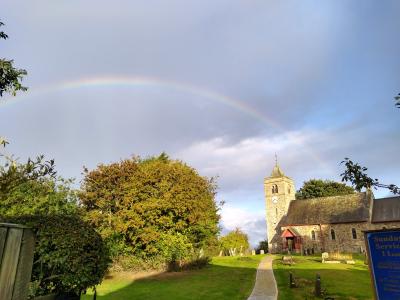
(328, 210)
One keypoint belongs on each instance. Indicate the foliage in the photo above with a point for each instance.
(10, 77)
(137, 203)
(33, 188)
(235, 239)
(225, 278)
(70, 255)
(263, 245)
(315, 188)
(359, 179)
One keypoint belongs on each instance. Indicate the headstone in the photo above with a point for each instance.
(261, 251)
(253, 252)
(221, 252)
(325, 256)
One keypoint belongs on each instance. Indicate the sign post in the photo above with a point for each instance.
(383, 249)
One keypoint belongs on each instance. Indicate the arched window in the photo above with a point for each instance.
(313, 235)
(354, 233)
(274, 189)
(333, 235)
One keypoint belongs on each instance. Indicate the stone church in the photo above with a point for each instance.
(322, 224)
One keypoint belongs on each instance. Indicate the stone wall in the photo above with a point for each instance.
(343, 242)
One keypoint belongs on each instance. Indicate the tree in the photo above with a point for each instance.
(139, 204)
(355, 174)
(315, 188)
(10, 77)
(263, 245)
(70, 256)
(34, 188)
(234, 241)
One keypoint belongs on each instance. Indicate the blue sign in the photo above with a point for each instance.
(384, 257)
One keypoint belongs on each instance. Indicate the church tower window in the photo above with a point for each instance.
(313, 235)
(274, 189)
(333, 234)
(354, 233)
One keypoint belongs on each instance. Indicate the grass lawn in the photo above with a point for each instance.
(340, 281)
(226, 278)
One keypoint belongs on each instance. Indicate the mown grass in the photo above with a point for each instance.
(225, 278)
(340, 281)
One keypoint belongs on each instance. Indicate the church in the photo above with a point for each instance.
(326, 224)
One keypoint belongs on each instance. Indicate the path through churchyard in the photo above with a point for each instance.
(265, 286)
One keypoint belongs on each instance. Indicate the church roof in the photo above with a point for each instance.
(328, 210)
(386, 210)
(277, 172)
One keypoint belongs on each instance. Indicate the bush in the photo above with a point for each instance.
(70, 255)
(137, 202)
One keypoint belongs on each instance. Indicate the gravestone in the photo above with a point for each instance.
(253, 252)
(325, 256)
(261, 251)
(17, 244)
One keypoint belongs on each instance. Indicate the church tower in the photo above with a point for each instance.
(279, 191)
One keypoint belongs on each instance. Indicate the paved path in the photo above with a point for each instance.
(265, 286)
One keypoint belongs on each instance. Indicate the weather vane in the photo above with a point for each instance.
(276, 159)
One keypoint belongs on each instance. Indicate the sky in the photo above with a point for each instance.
(222, 85)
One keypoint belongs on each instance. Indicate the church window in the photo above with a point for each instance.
(313, 235)
(276, 212)
(354, 233)
(274, 189)
(333, 234)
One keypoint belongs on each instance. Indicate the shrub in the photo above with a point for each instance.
(136, 202)
(70, 255)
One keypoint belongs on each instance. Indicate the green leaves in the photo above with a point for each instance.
(69, 255)
(315, 188)
(10, 77)
(357, 176)
(235, 239)
(141, 200)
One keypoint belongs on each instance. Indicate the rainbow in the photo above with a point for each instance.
(141, 81)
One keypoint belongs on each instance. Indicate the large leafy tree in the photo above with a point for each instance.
(315, 188)
(137, 203)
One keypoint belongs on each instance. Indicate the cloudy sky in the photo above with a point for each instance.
(221, 84)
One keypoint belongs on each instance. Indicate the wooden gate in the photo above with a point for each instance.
(17, 245)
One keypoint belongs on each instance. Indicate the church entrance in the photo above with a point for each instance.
(291, 241)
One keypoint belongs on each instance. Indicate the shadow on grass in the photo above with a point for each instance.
(211, 282)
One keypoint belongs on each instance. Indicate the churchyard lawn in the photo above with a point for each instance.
(225, 278)
(340, 281)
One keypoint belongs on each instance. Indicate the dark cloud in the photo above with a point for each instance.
(325, 73)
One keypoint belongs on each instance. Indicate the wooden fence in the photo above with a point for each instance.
(17, 245)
